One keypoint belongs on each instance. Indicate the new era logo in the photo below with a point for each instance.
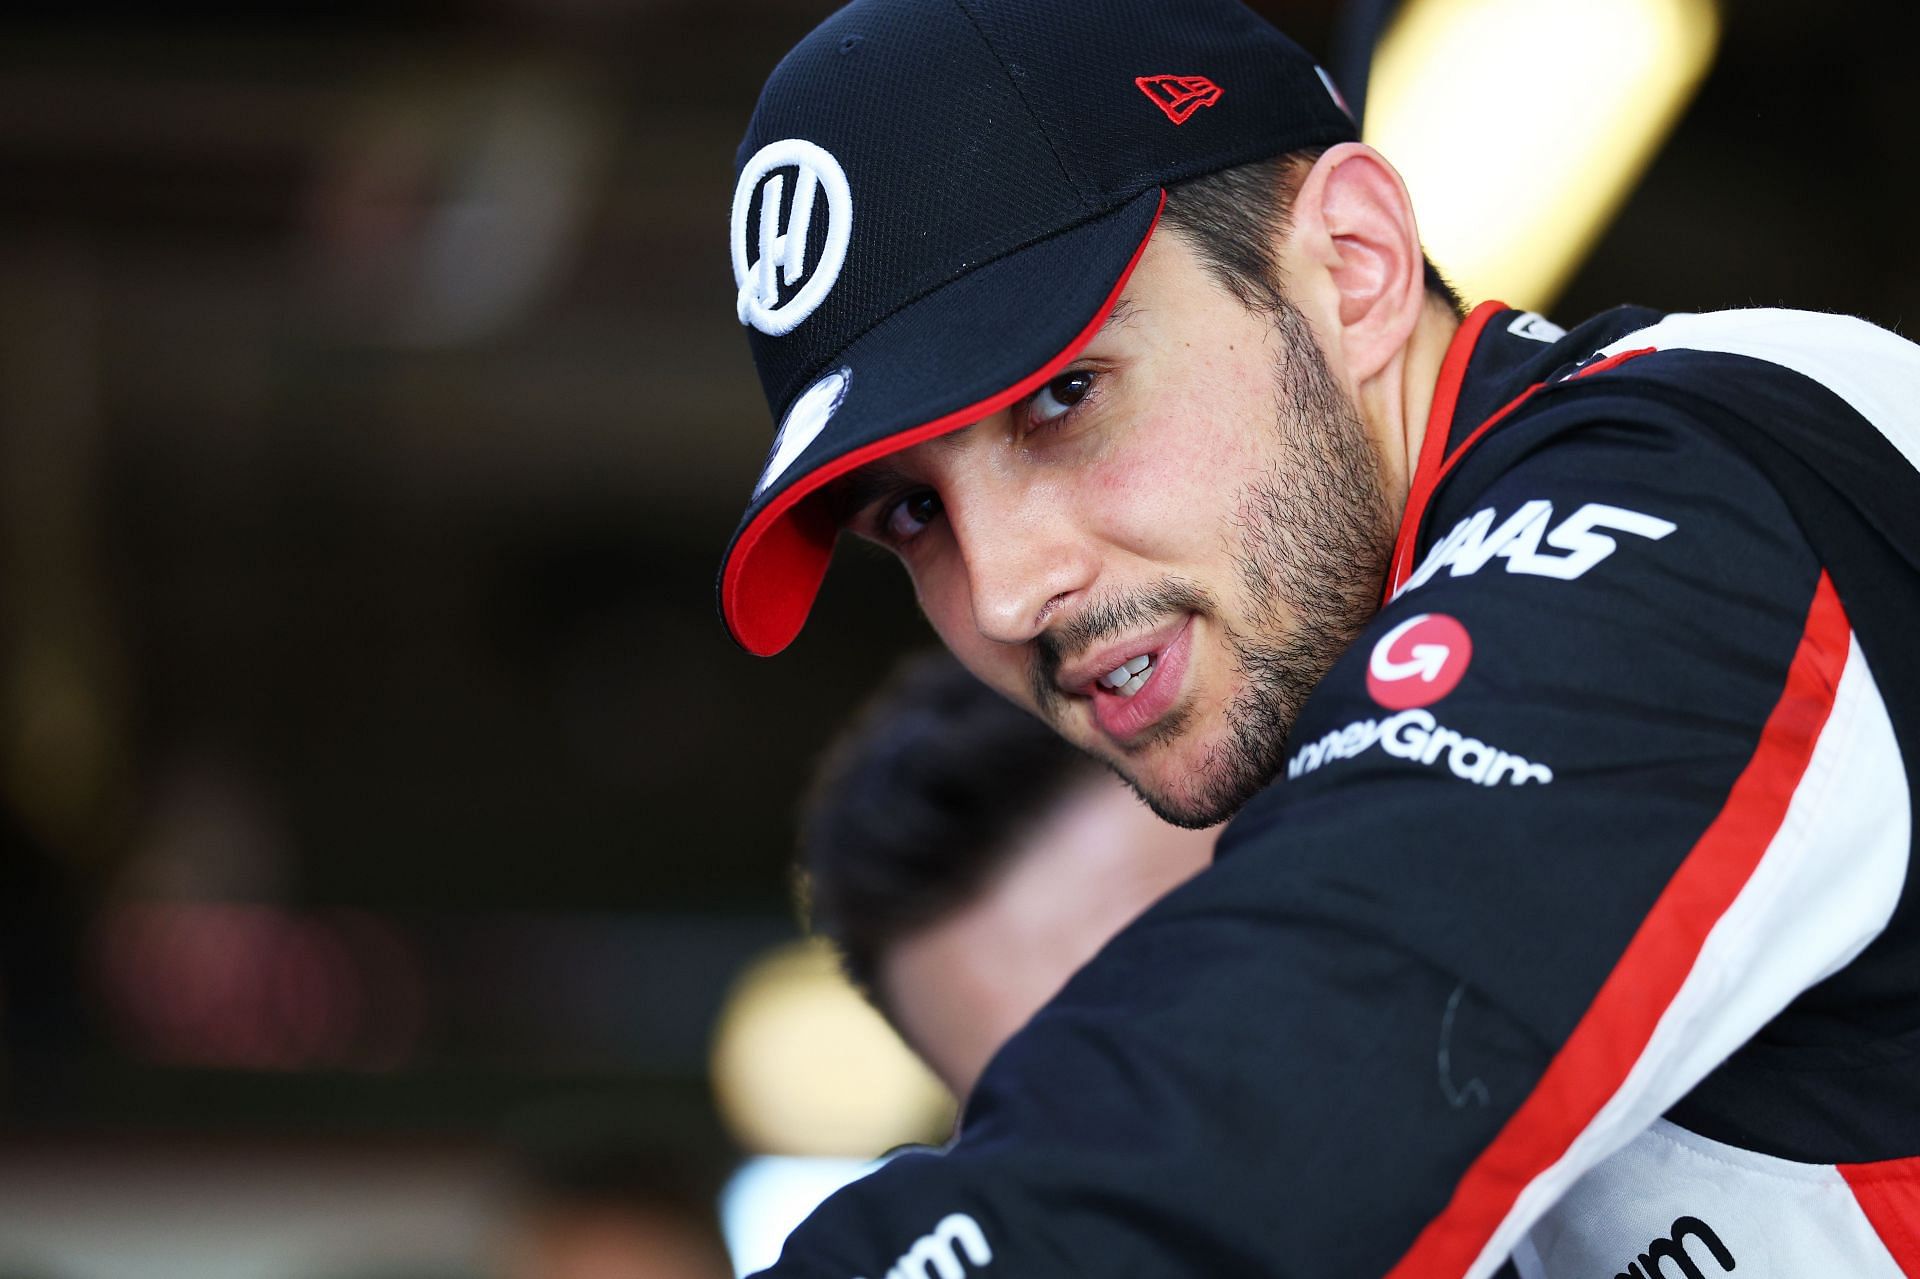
(1179, 95)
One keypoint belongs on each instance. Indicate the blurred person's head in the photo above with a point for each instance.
(597, 1201)
(965, 861)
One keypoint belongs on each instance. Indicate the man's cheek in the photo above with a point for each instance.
(949, 611)
(1165, 503)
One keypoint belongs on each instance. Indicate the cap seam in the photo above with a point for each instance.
(1014, 83)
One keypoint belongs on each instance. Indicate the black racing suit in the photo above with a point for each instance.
(1578, 937)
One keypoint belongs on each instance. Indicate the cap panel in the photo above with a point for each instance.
(945, 168)
(1077, 68)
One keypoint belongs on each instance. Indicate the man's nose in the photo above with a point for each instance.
(1024, 558)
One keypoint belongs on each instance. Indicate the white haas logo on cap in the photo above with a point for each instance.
(779, 260)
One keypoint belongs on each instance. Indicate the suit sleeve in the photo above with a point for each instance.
(1602, 791)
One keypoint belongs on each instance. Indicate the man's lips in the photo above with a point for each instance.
(1126, 718)
(1082, 679)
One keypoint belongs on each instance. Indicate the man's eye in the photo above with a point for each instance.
(1054, 399)
(910, 516)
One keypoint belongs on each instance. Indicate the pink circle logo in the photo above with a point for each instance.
(1418, 662)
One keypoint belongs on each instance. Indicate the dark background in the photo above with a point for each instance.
(372, 417)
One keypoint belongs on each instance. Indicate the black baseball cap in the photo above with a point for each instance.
(936, 205)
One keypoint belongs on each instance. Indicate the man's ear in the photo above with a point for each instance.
(1354, 249)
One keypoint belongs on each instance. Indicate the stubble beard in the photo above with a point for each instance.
(1311, 540)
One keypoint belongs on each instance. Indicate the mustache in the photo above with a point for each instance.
(1108, 617)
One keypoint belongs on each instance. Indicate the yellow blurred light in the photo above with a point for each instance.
(802, 1065)
(1521, 125)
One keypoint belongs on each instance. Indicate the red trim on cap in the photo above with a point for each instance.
(1426, 472)
(1889, 1193)
(789, 555)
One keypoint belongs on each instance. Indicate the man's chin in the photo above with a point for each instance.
(1187, 814)
(1193, 788)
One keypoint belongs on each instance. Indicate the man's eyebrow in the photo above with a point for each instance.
(851, 494)
(1124, 312)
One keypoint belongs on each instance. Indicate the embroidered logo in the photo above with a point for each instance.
(1417, 737)
(774, 236)
(804, 422)
(1179, 96)
(1418, 662)
(1474, 542)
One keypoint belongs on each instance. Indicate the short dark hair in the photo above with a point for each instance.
(917, 803)
(1232, 217)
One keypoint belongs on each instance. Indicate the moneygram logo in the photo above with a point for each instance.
(1418, 662)
(1417, 737)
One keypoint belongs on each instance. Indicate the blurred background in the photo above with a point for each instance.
(386, 816)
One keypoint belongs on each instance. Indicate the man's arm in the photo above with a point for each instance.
(1474, 942)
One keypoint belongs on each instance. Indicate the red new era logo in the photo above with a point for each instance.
(1179, 95)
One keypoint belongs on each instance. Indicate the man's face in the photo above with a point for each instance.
(1196, 490)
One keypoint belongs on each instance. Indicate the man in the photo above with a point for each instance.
(1575, 926)
(965, 862)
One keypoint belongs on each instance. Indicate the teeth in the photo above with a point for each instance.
(1127, 678)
